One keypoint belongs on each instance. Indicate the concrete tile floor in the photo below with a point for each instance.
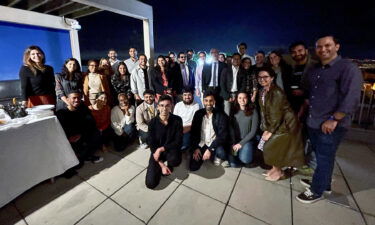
(113, 192)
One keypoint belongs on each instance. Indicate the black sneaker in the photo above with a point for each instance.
(94, 159)
(307, 183)
(308, 197)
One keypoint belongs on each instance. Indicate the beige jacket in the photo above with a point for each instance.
(143, 116)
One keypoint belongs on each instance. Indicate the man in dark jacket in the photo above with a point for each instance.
(211, 76)
(80, 128)
(231, 82)
(209, 133)
(165, 142)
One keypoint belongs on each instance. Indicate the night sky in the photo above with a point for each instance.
(263, 25)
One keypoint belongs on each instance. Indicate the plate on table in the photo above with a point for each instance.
(44, 107)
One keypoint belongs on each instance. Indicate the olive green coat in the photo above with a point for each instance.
(285, 147)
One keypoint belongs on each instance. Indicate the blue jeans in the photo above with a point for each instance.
(130, 130)
(325, 147)
(144, 136)
(186, 141)
(245, 155)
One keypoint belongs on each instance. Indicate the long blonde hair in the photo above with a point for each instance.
(30, 63)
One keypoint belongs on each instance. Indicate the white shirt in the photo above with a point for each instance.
(119, 119)
(186, 112)
(131, 64)
(207, 132)
(234, 85)
(214, 76)
(198, 75)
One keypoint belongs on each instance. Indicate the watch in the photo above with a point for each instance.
(333, 118)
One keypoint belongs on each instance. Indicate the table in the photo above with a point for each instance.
(32, 153)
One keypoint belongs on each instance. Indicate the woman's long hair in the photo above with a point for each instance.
(118, 74)
(70, 75)
(30, 63)
(157, 67)
(236, 106)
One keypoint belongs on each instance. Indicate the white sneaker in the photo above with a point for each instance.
(217, 161)
(225, 164)
(143, 146)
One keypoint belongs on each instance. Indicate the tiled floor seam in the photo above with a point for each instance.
(19, 213)
(230, 195)
(90, 211)
(351, 193)
(107, 197)
(127, 210)
(164, 202)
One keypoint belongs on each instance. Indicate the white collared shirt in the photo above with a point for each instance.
(214, 76)
(234, 85)
(187, 71)
(207, 132)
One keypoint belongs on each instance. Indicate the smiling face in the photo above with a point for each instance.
(299, 53)
(74, 99)
(122, 69)
(209, 103)
(133, 53)
(142, 61)
(182, 58)
(187, 98)
(259, 59)
(161, 62)
(149, 99)
(275, 59)
(326, 49)
(71, 66)
(264, 79)
(112, 55)
(246, 63)
(242, 99)
(36, 56)
(241, 49)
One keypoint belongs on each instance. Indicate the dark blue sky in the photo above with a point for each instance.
(264, 25)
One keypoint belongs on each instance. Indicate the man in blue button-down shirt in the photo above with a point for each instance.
(333, 87)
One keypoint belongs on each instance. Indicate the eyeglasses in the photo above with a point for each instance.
(263, 77)
(182, 57)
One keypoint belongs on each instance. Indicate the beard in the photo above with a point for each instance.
(209, 108)
(188, 102)
(299, 57)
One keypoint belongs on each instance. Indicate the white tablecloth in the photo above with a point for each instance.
(30, 154)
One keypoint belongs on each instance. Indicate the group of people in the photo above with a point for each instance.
(234, 110)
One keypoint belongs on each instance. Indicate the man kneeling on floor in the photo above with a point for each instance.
(209, 132)
(165, 141)
(80, 129)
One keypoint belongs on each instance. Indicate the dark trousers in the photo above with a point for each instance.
(87, 145)
(325, 147)
(195, 165)
(153, 175)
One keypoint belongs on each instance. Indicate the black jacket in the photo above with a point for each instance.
(227, 82)
(220, 124)
(157, 80)
(207, 74)
(173, 138)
